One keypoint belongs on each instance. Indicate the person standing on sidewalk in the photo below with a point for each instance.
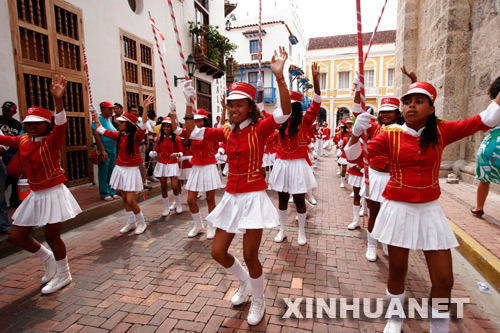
(150, 145)
(488, 160)
(411, 217)
(245, 207)
(4, 221)
(108, 149)
(126, 176)
(10, 127)
(292, 173)
(168, 149)
(50, 202)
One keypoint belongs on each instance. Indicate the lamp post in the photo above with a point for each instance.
(191, 65)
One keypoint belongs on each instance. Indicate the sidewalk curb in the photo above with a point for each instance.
(86, 216)
(479, 257)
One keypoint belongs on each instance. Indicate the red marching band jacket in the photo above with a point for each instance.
(40, 160)
(415, 171)
(244, 149)
(297, 146)
(203, 152)
(167, 148)
(124, 159)
(186, 150)
(325, 133)
(271, 145)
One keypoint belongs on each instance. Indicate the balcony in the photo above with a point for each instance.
(306, 103)
(204, 63)
(269, 95)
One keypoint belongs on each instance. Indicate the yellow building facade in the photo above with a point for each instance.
(337, 57)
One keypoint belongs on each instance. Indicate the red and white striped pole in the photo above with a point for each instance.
(161, 60)
(362, 93)
(174, 23)
(92, 113)
(260, 37)
(375, 31)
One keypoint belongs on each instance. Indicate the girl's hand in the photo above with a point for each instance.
(174, 155)
(58, 86)
(410, 74)
(315, 71)
(223, 103)
(147, 102)
(278, 62)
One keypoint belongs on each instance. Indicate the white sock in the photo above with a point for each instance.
(283, 215)
(302, 221)
(62, 266)
(43, 253)
(355, 211)
(237, 270)
(139, 218)
(371, 240)
(177, 199)
(309, 194)
(196, 218)
(342, 180)
(401, 298)
(130, 217)
(439, 324)
(258, 286)
(165, 202)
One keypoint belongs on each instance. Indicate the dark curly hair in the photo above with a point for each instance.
(494, 88)
(130, 133)
(293, 126)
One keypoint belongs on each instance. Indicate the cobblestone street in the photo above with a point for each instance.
(162, 280)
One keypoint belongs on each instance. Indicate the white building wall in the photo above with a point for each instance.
(102, 21)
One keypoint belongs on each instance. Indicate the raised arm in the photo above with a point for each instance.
(147, 102)
(277, 65)
(410, 74)
(315, 75)
(189, 94)
(57, 89)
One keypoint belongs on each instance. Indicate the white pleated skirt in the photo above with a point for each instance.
(268, 159)
(292, 176)
(53, 205)
(203, 178)
(378, 182)
(184, 173)
(126, 179)
(342, 161)
(415, 226)
(166, 170)
(338, 152)
(237, 212)
(355, 181)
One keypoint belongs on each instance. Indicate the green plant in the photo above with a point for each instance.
(218, 46)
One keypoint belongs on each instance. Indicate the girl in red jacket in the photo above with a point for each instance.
(245, 207)
(411, 217)
(292, 173)
(168, 148)
(50, 203)
(126, 175)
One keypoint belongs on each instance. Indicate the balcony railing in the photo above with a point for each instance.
(269, 95)
(203, 62)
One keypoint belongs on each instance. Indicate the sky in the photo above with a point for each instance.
(327, 17)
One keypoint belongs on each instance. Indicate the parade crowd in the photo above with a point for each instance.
(391, 160)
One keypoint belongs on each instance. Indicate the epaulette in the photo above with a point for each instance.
(227, 126)
(395, 128)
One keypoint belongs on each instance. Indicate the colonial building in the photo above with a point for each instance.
(455, 46)
(46, 38)
(338, 60)
(280, 27)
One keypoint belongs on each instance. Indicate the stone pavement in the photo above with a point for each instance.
(163, 281)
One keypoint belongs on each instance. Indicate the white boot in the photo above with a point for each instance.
(130, 223)
(258, 306)
(244, 286)
(280, 237)
(210, 231)
(177, 204)
(49, 262)
(141, 224)
(371, 250)
(166, 211)
(301, 239)
(62, 278)
(198, 226)
(311, 198)
(395, 322)
(342, 180)
(355, 221)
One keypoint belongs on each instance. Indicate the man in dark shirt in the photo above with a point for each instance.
(11, 127)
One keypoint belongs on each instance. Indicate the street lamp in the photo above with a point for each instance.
(191, 65)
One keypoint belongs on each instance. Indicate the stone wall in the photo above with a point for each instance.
(455, 45)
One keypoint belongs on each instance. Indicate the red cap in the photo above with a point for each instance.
(106, 104)
(167, 120)
(325, 124)
(127, 116)
(241, 90)
(342, 123)
(36, 113)
(348, 120)
(421, 87)
(200, 114)
(295, 96)
(389, 104)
